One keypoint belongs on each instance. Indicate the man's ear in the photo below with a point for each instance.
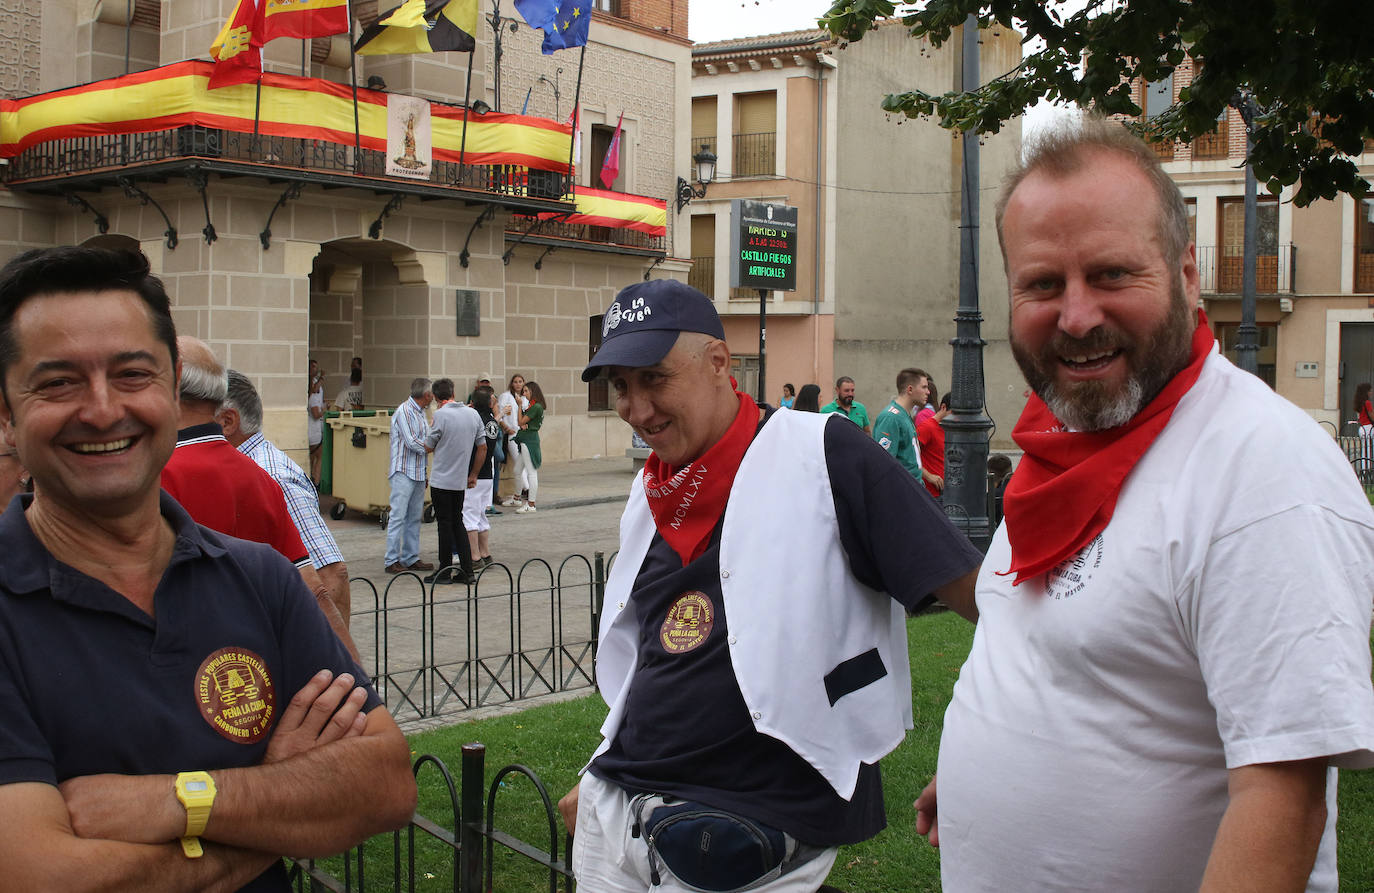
(718, 355)
(228, 419)
(6, 420)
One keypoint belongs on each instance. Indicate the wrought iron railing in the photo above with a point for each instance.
(459, 855)
(440, 650)
(113, 152)
(755, 155)
(1221, 270)
(582, 232)
(702, 276)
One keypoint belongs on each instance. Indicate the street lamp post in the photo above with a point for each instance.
(967, 427)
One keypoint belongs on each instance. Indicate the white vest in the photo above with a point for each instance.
(795, 611)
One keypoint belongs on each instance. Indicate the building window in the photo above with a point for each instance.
(1190, 208)
(746, 372)
(1214, 145)
(1266, 358)
(756, 136)
(598, 389)
(610, 6)
(1155, 99)
(703, 125)
(1364, 246)
(602, 134)
(703, 273)
(1231, 238)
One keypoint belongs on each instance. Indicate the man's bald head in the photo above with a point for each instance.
(204, 383)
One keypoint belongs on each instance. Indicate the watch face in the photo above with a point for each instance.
(195, 786)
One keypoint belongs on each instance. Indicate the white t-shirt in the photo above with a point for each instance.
(1220, 620)
(315, 427)
(508, 410)
(349, 397)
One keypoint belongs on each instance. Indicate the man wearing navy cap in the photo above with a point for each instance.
(753, 650)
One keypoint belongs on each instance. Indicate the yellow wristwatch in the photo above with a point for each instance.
(196, 791)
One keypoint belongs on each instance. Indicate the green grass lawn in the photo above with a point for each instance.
(555, 740)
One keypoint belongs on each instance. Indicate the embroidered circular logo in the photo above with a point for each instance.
(688, 623)
(1072, 575)
(235, 695)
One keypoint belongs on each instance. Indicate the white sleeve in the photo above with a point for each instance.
(1280, 618)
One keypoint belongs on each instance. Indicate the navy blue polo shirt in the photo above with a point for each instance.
(687, 731)
(91, 684)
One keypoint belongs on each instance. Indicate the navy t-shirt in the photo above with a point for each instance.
(687, 731)
(90, 684)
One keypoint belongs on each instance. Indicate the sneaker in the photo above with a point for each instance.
(493, 510)
(421, 566)
(484, 561)
(442, 579)
(510, 500)
(526, 510)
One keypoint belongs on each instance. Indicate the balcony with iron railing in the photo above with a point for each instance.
(702, 276)
(1221, 270)
(755, 155)
(157, 124)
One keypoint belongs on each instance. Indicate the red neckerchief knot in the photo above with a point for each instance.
(687, 502)
(1066, 486)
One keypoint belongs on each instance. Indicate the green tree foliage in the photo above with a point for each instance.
(1307, 64)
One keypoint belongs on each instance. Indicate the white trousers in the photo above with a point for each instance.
(607, 859)
(475, 503)
(526, 475)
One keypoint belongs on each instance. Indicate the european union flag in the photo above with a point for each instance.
(564, 22)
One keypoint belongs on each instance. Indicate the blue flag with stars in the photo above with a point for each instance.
(564, 22)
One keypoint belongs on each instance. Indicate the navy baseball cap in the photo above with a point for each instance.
(644, 320)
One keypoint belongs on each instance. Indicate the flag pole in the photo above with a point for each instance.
(353, 79)
(467, 112)
(577, 117)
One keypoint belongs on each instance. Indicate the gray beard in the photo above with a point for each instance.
(1099, 416)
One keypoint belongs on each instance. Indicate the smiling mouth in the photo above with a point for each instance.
(651, 431)
(113, 446)
(1089, 362)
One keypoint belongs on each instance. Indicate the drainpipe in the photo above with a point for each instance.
(822, 63)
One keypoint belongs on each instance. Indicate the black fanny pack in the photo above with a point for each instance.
(712, 850)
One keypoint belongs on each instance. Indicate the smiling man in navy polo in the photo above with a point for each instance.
(175, 712)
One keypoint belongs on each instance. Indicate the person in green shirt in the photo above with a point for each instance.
(894, 430)
(845, 404)
(528, 438)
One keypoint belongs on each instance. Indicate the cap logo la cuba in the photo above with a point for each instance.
(638, 312)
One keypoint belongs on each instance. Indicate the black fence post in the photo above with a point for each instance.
(470, 832)
(598, 594)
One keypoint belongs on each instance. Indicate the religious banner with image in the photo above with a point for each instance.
(409, 146)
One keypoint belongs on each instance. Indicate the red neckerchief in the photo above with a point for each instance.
(1066, 486)
(687, 503)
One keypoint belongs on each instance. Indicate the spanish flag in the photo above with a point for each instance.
(303, 19)
(422, 26)
(237, 50)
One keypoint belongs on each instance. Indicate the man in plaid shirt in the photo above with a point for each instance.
(408, 475)
(240, 415)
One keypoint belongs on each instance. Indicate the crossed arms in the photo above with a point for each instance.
(332, 776)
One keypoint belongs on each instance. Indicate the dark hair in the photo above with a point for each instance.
(934, 396)
(788, 389)
(841, 380)
(944, 401)
(536, 394)
(481, 400)
(355, 375)
(808, 398)
(1361, 395)
(72, 268)
(442, 389)
(909, 376)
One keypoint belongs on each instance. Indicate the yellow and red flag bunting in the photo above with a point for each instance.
(600, 207)
(303, 19)
(177, 95)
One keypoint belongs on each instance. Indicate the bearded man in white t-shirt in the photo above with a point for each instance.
(1172, 654)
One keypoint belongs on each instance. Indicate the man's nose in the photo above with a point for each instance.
(100, 409)
(1080, 309)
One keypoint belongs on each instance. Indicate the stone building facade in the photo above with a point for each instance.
(352, 263)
